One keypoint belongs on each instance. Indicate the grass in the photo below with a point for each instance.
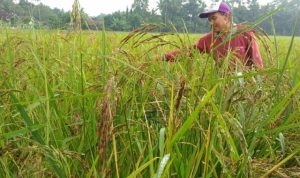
(84, 105)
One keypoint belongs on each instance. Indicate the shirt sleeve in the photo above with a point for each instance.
(201, 45)
(254, 52)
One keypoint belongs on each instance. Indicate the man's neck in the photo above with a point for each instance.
(224, 32)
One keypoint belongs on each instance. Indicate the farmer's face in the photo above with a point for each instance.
(219, 22)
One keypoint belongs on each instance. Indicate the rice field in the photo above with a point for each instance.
(91, 104)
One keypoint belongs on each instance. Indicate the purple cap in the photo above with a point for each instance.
(220, 7)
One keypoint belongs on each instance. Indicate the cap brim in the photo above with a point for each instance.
(206, 14)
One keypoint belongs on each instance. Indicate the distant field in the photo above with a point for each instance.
(86, 105)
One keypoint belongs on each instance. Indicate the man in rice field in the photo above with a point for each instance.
(222, 40)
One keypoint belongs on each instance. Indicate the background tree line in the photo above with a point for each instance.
(183, 14)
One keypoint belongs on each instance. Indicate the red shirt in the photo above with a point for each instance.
(243, 46)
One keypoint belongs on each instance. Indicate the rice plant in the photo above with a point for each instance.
(103, 104)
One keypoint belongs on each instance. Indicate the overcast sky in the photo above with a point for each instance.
(96, 7)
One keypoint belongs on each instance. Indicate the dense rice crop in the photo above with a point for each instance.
(83, 105)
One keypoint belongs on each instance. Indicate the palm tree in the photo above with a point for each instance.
(75, 16)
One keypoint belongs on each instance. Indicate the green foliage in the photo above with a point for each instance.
(184, 13)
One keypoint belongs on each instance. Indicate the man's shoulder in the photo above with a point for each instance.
(244, 30)
(206, 37)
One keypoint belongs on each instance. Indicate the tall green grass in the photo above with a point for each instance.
(80, 105)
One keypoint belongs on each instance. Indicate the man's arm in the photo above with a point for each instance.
(200, 45)
(171, 55)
